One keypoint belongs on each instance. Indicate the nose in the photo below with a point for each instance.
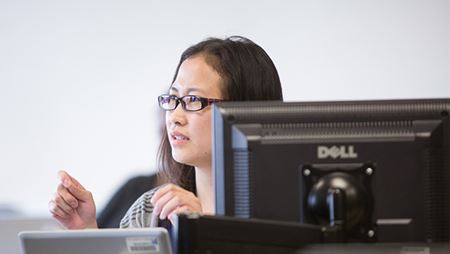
(177, 116)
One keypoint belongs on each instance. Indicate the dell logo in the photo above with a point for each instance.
(335, 152)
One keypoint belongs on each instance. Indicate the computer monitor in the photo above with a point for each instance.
(377, 169)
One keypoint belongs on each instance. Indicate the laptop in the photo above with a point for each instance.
(99, 241)
(11, 226)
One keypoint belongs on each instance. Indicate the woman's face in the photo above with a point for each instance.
(189, 133)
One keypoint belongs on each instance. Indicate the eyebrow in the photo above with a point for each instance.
(187, 91)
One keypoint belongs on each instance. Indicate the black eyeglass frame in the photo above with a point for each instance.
(205, 102)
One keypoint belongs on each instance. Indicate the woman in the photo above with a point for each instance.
(232, 69)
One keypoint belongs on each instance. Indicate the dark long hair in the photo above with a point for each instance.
(247, 73)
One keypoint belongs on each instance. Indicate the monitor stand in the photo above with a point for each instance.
(220, 234)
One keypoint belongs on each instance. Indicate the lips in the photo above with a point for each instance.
(178, 138)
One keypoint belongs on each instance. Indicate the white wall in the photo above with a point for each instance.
(79, 79)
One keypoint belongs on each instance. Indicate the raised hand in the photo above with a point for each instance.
(72, 205)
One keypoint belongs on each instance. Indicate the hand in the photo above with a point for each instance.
(72, 205)
(172, 199)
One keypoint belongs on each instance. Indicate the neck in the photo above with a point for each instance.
(205, 190)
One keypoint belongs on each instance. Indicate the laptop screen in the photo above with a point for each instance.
(99, 241)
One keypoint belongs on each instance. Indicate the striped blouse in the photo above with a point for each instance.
(139, 215)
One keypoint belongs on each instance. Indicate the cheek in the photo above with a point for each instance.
(203, 128)
(167, 121)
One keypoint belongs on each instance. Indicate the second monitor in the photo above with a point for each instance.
(378, 169)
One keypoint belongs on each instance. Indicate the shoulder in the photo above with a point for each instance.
(142, 180)
(140, 213)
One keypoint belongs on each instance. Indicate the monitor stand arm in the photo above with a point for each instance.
(336, 203)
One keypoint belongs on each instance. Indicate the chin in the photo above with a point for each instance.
(182, 159)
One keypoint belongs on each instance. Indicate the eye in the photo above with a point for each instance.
(194, 99)
(191, 99)
(164, 99)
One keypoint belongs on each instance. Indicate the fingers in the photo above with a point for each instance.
(67, 179)
(56, 210)
(160, 201)
(171, 198)
(162, 191)
(162, 196)
(74, 187)
(178, 210)
(66, 197)
(80, 194)
(62, 203)
(170, 206)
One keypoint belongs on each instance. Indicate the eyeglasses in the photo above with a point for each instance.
(189, 103)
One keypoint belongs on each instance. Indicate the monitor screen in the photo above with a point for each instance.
(377, 169)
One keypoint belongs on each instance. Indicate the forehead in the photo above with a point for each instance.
(196, 76)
